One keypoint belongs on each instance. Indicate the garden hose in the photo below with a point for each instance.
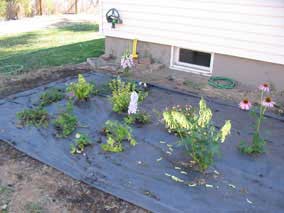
(222, 82)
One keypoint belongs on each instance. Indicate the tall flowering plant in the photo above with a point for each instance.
(258, 143)
(127, 61)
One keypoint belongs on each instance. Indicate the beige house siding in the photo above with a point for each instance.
(252, 29)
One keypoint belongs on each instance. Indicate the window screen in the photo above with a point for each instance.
(194, 57)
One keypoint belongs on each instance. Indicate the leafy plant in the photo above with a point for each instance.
(258, 143)
(66, 122)
(137, 118)
(198, 134)
(82, 89)
(121, 92)
(81, 142)
(116, 133)
(51, 96)
(177, 119)
(36, 117)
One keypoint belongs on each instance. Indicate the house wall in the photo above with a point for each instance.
(252, 29)
(247, 71)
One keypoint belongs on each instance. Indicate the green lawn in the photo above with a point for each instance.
(68, 44)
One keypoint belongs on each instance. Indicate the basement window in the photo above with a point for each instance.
(191, 61)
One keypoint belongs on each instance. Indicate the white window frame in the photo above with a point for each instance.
(187, 67)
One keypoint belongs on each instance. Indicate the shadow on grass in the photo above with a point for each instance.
(56, 56)
(77, 27)
(13, 41)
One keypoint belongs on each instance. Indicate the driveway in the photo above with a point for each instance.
(42, 22)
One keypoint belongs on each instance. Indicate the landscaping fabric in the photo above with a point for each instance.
(143, 174)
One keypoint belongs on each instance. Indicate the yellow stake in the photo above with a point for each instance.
(134, 49)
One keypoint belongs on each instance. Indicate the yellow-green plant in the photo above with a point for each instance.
(116, 133)
(177, 119)
(81, 142)
(137, 118)
(82, 89)
(198, 134)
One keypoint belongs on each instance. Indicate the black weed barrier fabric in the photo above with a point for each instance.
(140, 174)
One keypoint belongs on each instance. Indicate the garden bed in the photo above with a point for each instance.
(143, 174)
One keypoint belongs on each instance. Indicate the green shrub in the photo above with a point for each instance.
(36, 117)
(82, 90)
(198, 134)
(81, 142)
(121, 92)
(51, 96)
(3, 8)
(137, 118)
(66, 122)
(116, 133)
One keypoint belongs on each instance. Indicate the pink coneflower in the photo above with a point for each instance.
(245, 104)
(264, 87)
(268, 102)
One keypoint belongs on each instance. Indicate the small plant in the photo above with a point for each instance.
(127, 61)
(137, 118)
(36, 117)
(81, 142)
(177, 119)
(116, 133)
(258, 143)
(82, 90)
(121, 92)
(51, 96)
(66, 122)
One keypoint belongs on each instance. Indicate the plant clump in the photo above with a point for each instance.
(137, 118)
(66, 122)
(82, 90)
(177, 119)
(116, 133)
(51, 96)
(198, 134)
(257, 146)
(81, 142)
(121, 92)
(35, 117)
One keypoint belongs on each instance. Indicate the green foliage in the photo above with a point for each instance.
(66, 122)
(36, 117)
(198, 134)
(51, 96)
(3, 8)
(177, 119)
(116, 133)
(138, 118)
(82, 89)
(81, 142)
(257, 146)
(121, 92)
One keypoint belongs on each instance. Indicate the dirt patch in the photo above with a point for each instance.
(27, 185)
(17, 83)
(189, 82)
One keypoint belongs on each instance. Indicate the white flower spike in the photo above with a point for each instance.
(132, 108)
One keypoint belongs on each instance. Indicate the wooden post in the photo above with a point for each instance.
(40, 7)
(76, 6)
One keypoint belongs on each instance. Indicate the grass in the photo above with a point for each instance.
(67, 44)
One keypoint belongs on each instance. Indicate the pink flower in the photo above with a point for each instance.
(268, 102)
(245, 104)
(264, 87)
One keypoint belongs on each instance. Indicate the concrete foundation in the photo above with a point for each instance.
(251, 72)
